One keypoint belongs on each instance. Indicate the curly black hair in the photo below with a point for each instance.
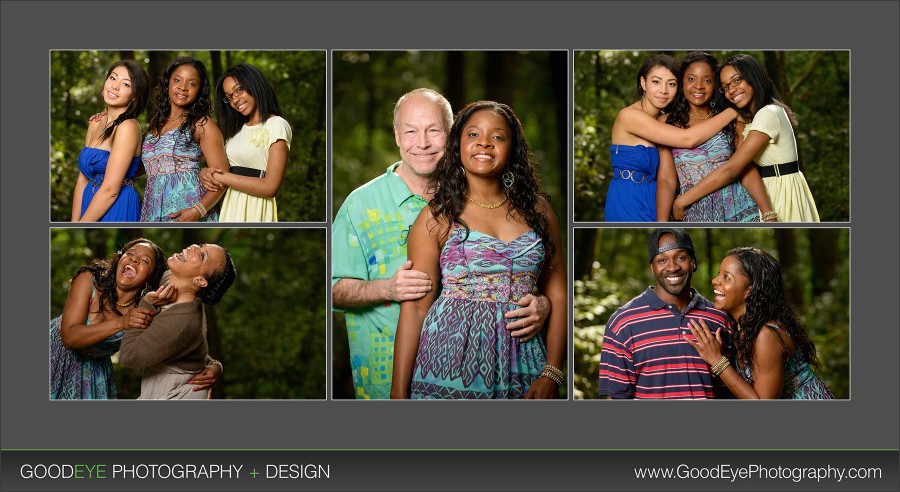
(140, 93)
(767, 303)
(252, 80)
(679, 111)
(450, 185)
(104, 272)
(764, 91)
(197, 112)
(218, 282)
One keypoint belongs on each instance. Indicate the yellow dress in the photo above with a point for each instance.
(250, 148)
(789, 193)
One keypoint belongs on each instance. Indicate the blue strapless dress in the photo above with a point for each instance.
(631, 196)
(127, 207)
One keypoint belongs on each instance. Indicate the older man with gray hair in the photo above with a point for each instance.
(370, 273)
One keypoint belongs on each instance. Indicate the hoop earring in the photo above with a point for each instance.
(712, 103)
(508, 178)
(463, 169)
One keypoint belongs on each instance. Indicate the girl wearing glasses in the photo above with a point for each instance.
(631, 196)
(112, 150)
(180, 133)
(768, 140)
(695, 103)
(257, 141)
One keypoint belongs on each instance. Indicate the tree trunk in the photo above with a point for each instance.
(455, 85)
(825, 253)
(786, 240)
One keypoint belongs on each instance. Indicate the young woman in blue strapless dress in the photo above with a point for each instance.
(491, 237)
(112, 148)
(776, 356)
(180, 133)
(631, 196)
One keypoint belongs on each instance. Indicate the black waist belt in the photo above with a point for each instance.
(253, 173)
(779, 169)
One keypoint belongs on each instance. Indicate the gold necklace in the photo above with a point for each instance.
(699, 118)
(127, 303)
(485, 205)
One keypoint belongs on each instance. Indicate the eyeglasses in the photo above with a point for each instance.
(238, 90)
(736, 81)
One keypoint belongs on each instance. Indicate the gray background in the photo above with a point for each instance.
(30, 30)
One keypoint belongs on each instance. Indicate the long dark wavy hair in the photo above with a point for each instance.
(451, 186)
(767, 302)
(197, 112)
(252, 80)
(679, 111)
(104, 272)
(764, 91)
(140, 93)
(219, 282)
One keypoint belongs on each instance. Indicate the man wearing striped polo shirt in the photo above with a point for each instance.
(645, 353)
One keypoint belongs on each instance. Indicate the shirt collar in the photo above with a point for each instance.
(400, 193)
(653, 300)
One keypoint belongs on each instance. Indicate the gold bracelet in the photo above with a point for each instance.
(768, 216)
(200, 209)
(554, 374)
(720, 366)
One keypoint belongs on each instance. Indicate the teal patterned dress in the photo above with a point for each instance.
(800, 381)
(172, 162)
(731, 203)
(465, 350)
(83, 374)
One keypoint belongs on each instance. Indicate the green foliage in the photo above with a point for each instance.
(620, 272)
(817, 91)
(298, 78)
(269, 327)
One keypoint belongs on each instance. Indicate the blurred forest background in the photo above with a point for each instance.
(815, 84)
(367, 84)
(298, 77)
(268, 330)
(611, 268)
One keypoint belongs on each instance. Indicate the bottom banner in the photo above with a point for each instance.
(448, 470)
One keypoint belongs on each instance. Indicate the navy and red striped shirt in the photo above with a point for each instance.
(645, 354)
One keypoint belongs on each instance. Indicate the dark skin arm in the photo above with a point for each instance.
(73, 328)
(666, 185)
(424, 251)
(768, 362)
(554, 284)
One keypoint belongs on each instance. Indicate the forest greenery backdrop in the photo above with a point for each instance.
(298, 77)
(815, 84)
(368, 84)
(611, 268)
(268, 330)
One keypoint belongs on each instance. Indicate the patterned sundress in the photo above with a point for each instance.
(172, 162)
(465, 350)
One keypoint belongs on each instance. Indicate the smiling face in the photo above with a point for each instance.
(698, 83)
(238, 97)
(673, 270)
(735, 88)
(420, 134)
(197, 262)
(660, 86)
(184, 85)
(117, 88)
(485, 143)
(731, 287)
(135, 267)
